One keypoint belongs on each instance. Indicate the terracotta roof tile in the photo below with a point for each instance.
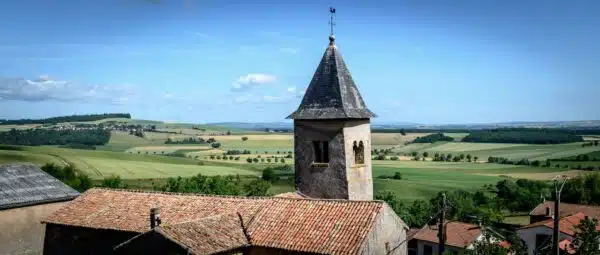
(566, 224)
(322, 226)
(311, 225)
(567, 209)
(458, 234)
(208, 235)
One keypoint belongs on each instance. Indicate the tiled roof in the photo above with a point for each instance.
(291, 195)
(25, 184)
(566, 224)
(458, 234)
(208, 235)
(567, 209)
(567, 246)
(332, 93)
(311, 225)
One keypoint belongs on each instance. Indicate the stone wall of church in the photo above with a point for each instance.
(387, 235)
(360, 180)
(320, 181)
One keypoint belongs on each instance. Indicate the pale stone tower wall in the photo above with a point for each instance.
(359, 176)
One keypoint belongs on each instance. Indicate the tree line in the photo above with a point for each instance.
(432, 138)
(70, 118)
(523, 135)
(36, 137)
(546, 163)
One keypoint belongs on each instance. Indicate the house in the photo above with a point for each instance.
(460, 236)
(545, 211)
(27, 195)
(331, 212)
(538, 235)
(102, 220)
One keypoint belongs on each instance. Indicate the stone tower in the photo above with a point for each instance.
(332, 134)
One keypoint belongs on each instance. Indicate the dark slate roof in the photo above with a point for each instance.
(26, 184)
(332, 93)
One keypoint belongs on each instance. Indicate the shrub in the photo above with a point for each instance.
(249, 160)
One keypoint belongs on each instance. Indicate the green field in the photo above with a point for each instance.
(511, 151)
(144, 160)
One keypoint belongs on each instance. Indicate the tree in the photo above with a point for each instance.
(596, 142)
(257, 187)
(587, 238)
(228, 132)
(268, 174)
(469, 157)
(255, 160)
(215, 145)
(282, 161)
(475, 159)
(425, 154)
(244, 138)
(249, 160)
(402, 132)
(113, 181)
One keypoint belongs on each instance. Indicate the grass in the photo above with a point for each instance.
(99, 164)
(512, 151)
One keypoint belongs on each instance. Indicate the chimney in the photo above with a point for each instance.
(548, 211)
(154, 217)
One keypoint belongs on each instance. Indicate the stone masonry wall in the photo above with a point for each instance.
(360, 180)
(22, 230)
(387, 235)
(320, 182)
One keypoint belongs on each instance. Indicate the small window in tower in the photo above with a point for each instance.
(359, 153)
(321, 149)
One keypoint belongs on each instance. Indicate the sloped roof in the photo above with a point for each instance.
(332, 93)
(458, 234)
(566, 224)
(25, 184)
(566, 209)
(208, 235)
(310, 225)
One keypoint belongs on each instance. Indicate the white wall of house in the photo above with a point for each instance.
(529, 235)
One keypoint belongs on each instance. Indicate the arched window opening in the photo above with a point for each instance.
(359, 153)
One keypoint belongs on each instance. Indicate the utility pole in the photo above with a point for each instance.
(441, 230)
(557, 190)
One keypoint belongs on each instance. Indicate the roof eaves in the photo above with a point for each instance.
(37, 202)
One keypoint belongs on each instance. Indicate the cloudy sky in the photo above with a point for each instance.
(426, 61)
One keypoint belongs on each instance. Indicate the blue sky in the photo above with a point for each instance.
(432, 62)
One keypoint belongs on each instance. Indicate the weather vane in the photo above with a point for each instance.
(331, 18)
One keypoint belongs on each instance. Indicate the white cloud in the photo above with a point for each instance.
(252, 80)
(168, 95)
(46, 88)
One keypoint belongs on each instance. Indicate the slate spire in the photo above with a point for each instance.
(332, 94)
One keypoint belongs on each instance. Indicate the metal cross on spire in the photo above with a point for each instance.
(331, 18)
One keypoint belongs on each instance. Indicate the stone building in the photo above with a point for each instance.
(332, 211)
(27, 195)
(103, 221)
(332, 134)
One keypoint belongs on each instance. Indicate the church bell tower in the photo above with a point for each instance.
(332, 134)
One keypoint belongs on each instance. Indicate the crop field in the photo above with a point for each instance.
(165, 149)
(512, 151)
(100, 164)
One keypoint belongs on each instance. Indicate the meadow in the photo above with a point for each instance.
(143, 160)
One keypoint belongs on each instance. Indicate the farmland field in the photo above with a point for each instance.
(139, 159)
(511, 151)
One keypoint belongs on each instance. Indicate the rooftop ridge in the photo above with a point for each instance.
(232, 196)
